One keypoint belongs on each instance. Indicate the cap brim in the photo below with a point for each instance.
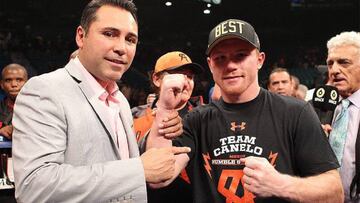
(197, 68)
(225, 37)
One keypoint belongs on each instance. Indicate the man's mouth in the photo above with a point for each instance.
(116, 61)
(14, 93)
(232, 77)
(337, 80)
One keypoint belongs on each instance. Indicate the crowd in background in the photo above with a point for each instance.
(41, 54)
(290, 69)
(42, 39)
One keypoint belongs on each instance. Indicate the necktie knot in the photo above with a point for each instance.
(345, 103)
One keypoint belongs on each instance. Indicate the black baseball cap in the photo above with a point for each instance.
(232, 28)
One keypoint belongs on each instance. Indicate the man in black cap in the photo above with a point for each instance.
(251, 145)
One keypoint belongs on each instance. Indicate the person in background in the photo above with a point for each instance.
(343, 63)
(301, 92)
(295, 82)
(280, 82)
(252, 145)
(214, 93)
(73, 138)
(174, 62)
(13, 78)
(139, 111)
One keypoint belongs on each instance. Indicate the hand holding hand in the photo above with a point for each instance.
(159, 163)
(171, 126)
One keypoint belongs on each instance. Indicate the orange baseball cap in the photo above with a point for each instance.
(174, 60)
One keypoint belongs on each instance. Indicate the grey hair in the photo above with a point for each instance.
(345, 38)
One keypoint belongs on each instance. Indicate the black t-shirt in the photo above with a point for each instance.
(284, 130)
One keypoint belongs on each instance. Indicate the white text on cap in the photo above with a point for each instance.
(228, 27)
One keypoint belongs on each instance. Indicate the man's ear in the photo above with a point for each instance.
(208, 62)
(261, 59)
(1, 84)
(156, 79)
(80, 35)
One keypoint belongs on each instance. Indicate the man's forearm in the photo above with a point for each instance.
(155, 138)
(157, 141)
(325, 187)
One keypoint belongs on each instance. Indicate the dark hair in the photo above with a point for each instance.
(89, 12)
(279, 70)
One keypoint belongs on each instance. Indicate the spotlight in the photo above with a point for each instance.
(208, 5)
(207, 11)
(168, 3)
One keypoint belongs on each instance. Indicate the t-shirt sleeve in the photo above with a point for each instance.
(313, 153)
(189, 137)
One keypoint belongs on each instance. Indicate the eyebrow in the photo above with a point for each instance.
(117, 30)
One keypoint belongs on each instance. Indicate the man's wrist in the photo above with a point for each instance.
(161, 112)
(287, 187)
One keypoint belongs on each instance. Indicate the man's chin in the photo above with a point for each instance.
(13, 97)
(114, 77)
(233, 91)
(344, 92)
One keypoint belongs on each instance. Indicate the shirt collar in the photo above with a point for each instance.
(355, 98)
(97, 86)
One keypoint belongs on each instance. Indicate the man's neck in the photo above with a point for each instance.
(249, 94)
(103, 84)
(10, 102)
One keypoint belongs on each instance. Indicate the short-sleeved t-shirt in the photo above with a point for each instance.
(284, 130)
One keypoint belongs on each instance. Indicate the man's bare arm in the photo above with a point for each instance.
(261, 178)
(166, 123)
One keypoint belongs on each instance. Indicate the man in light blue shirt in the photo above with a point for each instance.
(343, 63)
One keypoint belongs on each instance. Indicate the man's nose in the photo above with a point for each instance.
(14, 83)
(335, 68)
(119, 46)
(231, 65)
(281, 85)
